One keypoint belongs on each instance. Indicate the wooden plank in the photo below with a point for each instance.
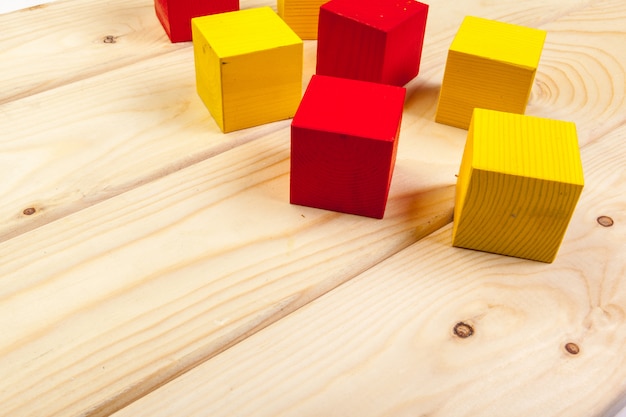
(58, 148)
(174, 265)
(50, 45)
(141, 287)
(383, 344)
(53, 44)
(546, 339)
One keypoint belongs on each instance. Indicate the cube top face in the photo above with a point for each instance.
(351, 107)
(526, 146)
(380, 14)
(512, 44)
(245, 31)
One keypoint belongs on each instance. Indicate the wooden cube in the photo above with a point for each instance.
(248, 67)
(371, 40)
(301, 15)
(490, 65)
(344, 138)
(175, 15)
(518, 185)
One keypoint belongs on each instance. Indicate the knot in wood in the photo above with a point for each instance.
(572, 348)
(463, 330)
(605, 221)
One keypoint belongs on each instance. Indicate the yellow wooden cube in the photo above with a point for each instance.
(490, 65)
(519, 182)
(301, 15)
(248, 67)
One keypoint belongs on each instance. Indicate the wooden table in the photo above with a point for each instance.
(151, 265)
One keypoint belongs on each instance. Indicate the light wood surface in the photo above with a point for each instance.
(384, 343)
(139, 245)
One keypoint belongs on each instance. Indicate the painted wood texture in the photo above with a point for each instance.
(175, 15)
(139, 241)
(490, 65)
(344, 142)
(371, 40)
(301, 15)
(248, 67)
(545, 339)
(518, 185)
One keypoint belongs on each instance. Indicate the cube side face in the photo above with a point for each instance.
(261, 87)
(471, 82)
(208, 76)
(161, 7)
(339, 172)
(349, 49)
(403, 49)
(175, 16)
(301, 15)
(515, 216)
(464, 178)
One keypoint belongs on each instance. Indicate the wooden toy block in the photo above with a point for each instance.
(248, 67)
(371, 40)
(301, 15)
(490, 65)
(344, 138)
(175, 15)
(518, 185)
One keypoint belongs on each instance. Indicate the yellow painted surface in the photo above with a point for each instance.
(208, 76)
(519, 183)
(490, 65)
(301, 15)
(499, 41)
(248, 67)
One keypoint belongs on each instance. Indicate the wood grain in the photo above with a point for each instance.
(137, 289)
(38, 178)
(64, 42)
(301, 16)
(516, 192)
(100, 137)
(545, 339)
(138, 241)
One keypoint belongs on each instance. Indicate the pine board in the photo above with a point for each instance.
(156, 242)
(67, 41)
(384, 343)
(143, 286)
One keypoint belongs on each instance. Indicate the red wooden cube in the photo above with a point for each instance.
(344, 139)
(371, 40)
(175, 15)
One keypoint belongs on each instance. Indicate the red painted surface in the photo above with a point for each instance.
(344, 139)
(371, 40)
(176, 15)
